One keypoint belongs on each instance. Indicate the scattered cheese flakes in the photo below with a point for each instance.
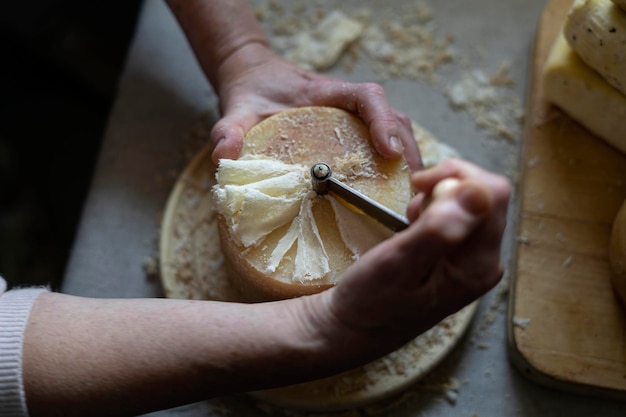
(493, 108)
(568, 261)
(404, 44)
(321, 48)
(523, 239)
(151, 267)
(521, 322)
(532, 162)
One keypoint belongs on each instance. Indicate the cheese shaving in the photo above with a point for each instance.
(258, 196)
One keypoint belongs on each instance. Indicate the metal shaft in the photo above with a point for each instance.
(323, 183)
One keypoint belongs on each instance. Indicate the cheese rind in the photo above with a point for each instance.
(596, 31)
(278, 237)
(584, 95)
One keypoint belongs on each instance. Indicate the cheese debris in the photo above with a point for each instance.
(584, 95)
(492, 108)
(323, 47)
(258, 196)
(404, 42)
(596, 31)
(432, 151)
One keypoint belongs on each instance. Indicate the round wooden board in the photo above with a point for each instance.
(191, 267)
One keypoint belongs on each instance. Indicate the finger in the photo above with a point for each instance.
(447, 223)
(450, 221)
(443, 187)
(474, 266)
(425, 181)
(412, 153)
(452, 216)
(228, 133)
(462, 265)
(369, 102)
(405, 261)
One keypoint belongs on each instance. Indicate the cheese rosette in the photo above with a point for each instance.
(279, 238)
(256, 197)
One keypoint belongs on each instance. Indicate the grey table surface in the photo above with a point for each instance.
(163, 109)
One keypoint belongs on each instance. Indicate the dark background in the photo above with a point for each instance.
(60, 65)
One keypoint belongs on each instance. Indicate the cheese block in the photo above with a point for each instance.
(596, 31)
(584, 95)
(618, 254)
(279, 238)
(620, 3)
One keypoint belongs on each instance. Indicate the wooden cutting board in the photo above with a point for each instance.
(566, 327)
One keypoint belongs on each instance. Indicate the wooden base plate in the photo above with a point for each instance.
(566, 327)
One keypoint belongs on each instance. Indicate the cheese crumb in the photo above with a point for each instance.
(521, 322)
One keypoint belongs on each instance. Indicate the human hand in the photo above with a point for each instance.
(255, 83)
(447, 258)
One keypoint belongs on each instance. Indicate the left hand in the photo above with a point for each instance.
(256, 83)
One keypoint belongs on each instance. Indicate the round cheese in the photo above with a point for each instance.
(279, 237)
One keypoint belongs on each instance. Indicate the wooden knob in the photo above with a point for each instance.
(444, 187)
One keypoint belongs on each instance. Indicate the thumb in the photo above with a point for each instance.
(452, 216)
(228, 133)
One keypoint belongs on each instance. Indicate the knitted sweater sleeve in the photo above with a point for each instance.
(15, 307)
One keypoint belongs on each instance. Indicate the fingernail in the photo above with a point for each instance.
(214, 150)
(217, 142)
(396, 145)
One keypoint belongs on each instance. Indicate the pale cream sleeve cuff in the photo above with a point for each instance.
(15, 307)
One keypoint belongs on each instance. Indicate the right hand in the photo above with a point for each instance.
(447, 258)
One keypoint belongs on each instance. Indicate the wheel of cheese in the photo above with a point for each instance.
(618, 254)
(281, 239)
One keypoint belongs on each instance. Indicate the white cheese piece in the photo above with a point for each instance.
(258, 196)
(322, 48)
(596, 31)
(584, 95)
(357, 238)
(311, 257)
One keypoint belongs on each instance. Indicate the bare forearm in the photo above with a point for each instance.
(216, 29)
(100, 357)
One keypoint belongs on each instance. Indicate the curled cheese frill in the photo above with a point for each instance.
(257, 196)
